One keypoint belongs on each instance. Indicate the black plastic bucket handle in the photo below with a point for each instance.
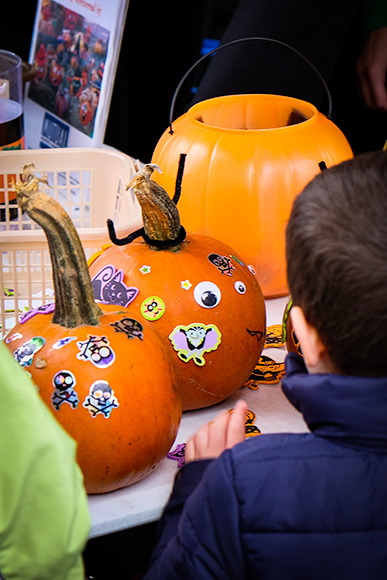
(249, 38)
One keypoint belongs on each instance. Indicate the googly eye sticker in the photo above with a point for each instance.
(240, 287)
(207, 294)
(152, 308)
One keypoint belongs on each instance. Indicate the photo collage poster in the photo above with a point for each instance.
(75, 49)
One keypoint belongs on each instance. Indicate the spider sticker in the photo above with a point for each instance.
(192, 341)
(101, 399)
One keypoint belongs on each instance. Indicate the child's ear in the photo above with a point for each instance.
(313, 349)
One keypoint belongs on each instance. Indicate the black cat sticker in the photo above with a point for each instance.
(109, 287)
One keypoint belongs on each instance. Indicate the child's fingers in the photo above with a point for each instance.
(236, 424)
(196, 443)
(223, 432)
(217, 433)
(209, 441)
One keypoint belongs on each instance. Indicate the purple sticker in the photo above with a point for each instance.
(97, 350)
(63, 341)
(178, 454)
(192, 341)
(43, 309)
(109, 287)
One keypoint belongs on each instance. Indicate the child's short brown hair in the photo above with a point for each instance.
(336, 250)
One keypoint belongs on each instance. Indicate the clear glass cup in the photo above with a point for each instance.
(11, 101)
(11, 122)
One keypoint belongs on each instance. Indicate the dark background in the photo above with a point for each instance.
(161, 41)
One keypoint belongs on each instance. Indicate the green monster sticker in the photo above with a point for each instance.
(26, 352)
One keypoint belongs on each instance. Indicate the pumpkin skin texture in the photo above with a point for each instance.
(118, 448)
(245, 164)
(173, 276)
(288, 334)
(105, 375)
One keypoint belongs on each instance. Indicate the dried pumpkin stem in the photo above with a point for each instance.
(74, 298)
(159, 213)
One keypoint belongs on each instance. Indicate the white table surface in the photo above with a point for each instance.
(143, 502)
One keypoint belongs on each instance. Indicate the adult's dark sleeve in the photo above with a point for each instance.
(316, 30)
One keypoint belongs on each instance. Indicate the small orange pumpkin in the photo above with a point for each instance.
(289, 337)
(198, 292)
(247, 157)
(105, 375)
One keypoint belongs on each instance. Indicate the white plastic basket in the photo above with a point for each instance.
(90, 185)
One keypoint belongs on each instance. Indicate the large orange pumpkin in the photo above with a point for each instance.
(104, 372)
(247, 157)
(200, 294)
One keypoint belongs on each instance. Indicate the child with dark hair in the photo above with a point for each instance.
(336, 263)
(309, 505)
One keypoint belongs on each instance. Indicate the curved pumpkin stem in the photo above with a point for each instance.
(74, 298)
(159, 213)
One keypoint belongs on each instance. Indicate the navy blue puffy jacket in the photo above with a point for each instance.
(310, 506)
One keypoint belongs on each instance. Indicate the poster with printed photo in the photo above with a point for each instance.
(75, 50)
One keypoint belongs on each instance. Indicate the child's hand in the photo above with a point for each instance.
(225, 431)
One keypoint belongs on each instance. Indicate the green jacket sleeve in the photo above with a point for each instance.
(44, 519)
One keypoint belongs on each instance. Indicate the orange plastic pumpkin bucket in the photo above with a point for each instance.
(247, 158)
